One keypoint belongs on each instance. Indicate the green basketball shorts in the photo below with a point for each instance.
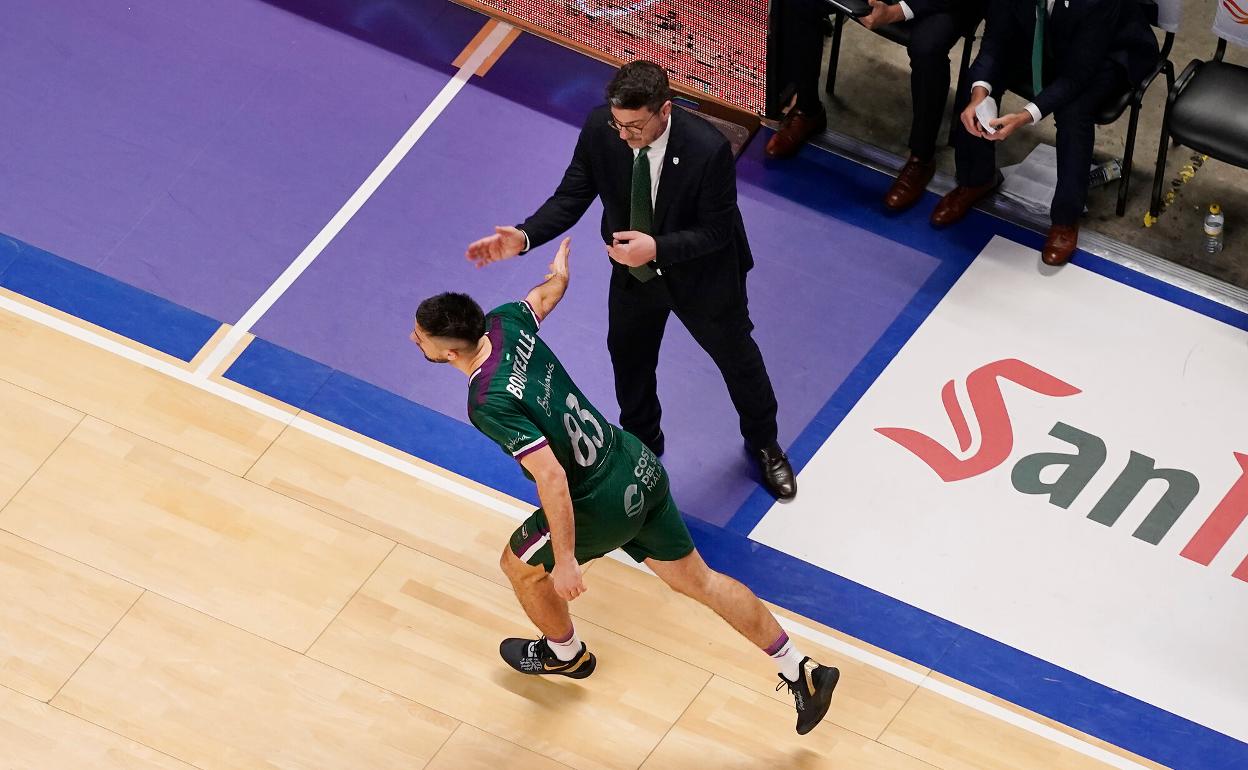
(627, 504)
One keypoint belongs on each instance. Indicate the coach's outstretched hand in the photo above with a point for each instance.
(506, 242)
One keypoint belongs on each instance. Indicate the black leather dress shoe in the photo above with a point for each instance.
(778, 476)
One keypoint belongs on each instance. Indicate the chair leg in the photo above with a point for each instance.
(1159, 173)
(834, 56)
(1128, 159)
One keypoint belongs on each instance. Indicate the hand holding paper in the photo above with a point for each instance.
(985, 113)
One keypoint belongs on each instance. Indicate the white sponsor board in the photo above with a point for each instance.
(1152, 378)
(1231, 21)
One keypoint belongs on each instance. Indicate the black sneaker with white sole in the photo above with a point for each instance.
(534, 656)
(812, 693)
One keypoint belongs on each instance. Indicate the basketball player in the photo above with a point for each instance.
(599, 486)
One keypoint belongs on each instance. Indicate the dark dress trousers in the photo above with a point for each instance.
(703, 257)
(934, 31)
(1094, 49)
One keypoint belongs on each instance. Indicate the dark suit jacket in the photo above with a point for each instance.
(1080, 35)
(697, 225)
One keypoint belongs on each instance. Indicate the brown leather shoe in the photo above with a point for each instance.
(958, 202)
(795, 130)
(910, 184)
(1060, 244)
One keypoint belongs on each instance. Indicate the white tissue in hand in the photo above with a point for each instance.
(985, 113)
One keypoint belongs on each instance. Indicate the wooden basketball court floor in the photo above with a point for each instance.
(194, 575)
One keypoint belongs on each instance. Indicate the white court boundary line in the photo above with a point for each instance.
(354, 203)
(519, 513)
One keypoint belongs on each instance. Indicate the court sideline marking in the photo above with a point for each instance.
(492, 41)
(519, 513)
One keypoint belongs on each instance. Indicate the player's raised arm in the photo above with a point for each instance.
(543, 298)
(552, 490)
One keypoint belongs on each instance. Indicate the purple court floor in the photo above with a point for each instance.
(194, 152)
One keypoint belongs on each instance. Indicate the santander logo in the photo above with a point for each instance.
(994, 422)
(1077, 469)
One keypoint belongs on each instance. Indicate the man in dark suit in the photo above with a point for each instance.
(667, 181)
(1069, 57)
(935, 28)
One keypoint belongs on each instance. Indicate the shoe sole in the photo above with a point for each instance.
(825, 703)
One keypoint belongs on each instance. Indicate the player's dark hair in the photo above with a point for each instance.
(639, 84)
(452, 315)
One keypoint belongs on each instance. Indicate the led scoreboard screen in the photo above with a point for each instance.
(708, 47)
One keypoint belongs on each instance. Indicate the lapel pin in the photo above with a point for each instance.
(675, 161)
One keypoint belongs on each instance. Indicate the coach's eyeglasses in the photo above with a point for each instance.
(629, 127)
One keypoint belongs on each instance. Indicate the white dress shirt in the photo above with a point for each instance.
(1031, 107)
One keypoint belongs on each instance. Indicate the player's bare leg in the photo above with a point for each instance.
(731, 600)
(537, 596)
(549, 612)
(810, 683)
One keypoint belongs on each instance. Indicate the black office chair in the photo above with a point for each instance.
(1206, 112)
(897, 33)
(1112, 110)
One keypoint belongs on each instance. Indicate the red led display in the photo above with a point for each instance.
(715, 48)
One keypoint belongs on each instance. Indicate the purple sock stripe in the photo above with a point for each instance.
(778, 645)
(571, 633)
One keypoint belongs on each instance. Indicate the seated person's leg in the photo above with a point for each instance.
(931, 38)
(976, 161)
(800, 59)
(1076, 137)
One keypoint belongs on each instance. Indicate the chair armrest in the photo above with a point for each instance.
(1142, 88)
(852, 8)
(1181, 83)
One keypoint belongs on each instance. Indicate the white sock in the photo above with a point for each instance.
(568, 648)
(787, 657)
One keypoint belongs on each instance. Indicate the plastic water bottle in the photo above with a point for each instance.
(1105, 173)
(1214, 221)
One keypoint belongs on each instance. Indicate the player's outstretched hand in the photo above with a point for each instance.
(506, 242)
(567, 580)
(559, 265)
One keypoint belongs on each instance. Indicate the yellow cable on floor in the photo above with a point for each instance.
(1184, 176)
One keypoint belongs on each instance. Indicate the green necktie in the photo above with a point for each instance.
(1037, 48)
(641, 210)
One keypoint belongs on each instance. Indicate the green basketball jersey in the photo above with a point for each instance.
(523, 399)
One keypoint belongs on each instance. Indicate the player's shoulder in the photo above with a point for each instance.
(487, 396)
(519, 312)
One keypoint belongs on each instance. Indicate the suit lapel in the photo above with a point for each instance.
(672, 174)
